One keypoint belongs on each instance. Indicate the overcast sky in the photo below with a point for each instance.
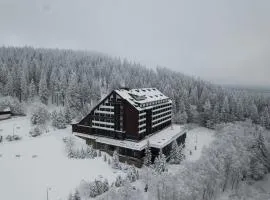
(221, 41)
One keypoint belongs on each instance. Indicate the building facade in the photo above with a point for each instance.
(126, 115)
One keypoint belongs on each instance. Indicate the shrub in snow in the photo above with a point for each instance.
(58, 119)
(36, 131)
(132, 174)
(99, 153)
(94, 153)
(160, 163)
(81, 153)
(124, 166)
(115, 161)
(94, 188)
(109, 161)
(1, 139)
(119, 182)
(75, 196)
(104, 157)
(13, 138)
(15, 106)
(40, 114)
(69, 146)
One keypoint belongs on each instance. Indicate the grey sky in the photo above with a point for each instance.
(225, 41)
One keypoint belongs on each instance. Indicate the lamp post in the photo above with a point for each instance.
(47, 192)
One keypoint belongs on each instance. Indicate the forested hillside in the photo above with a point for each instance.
(78, 79)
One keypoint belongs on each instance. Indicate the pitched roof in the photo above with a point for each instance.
(140, 96)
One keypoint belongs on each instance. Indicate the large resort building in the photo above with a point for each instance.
(126, 119)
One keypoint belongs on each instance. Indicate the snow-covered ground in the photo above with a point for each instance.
(32, 165)
(29, 166)
(198, 137)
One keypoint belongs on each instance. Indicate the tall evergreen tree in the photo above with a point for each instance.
(23, 87)
(9, 88)
(148, 155)
(73, 94)
(160, 164)
(43, 90)
(32, 90)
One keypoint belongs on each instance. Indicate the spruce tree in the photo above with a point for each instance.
(148, 155)
(160, 164)
(173, 153)
(43, 90)
(23, 87)
(9, 88)
(32, 90)
(73, 95)
(115, 160)
(68, 114)
(76, 195)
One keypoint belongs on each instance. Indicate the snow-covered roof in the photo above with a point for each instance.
(157, 140)
(141, 96)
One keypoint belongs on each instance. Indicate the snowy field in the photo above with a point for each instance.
(198, 137)
(30, 166)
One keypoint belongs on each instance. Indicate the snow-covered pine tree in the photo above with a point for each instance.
(183, 117)
(104, 158)
(58, 120)
(180, 153)
(68, 114)
(43, 90)
(89, 151)
(32, 90)
(215, 115)
(76, 195)
(23, 87)
(73, 94)
(9, 87)
(70, 196)
(148, 155)
(160, 164)
(206, 115)
(265, 118)
(119, 181)
(225, 110)
(61, 120)
(173, 153)
(105, 185)
(115, 160)
(39, 114)
(253, 113)
(132, 174)
(54, 117)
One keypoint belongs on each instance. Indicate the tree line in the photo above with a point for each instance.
(79, 79)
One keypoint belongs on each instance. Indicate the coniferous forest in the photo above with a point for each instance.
(78, 80)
